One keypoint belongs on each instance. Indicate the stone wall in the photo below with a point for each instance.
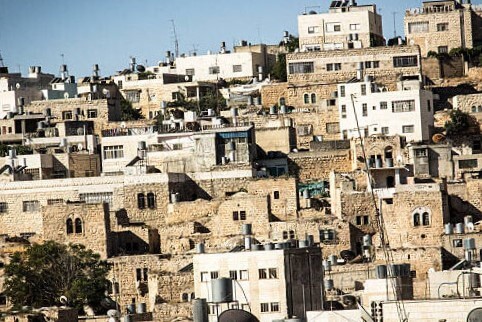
(316, 166)
(93, 231)
(349, 59)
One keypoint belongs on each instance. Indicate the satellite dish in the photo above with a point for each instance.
(123, 125)
(186, 78)
(80, 146)
(140, 68)
(17, 86)
(66, 95)
(106, 92)
(64, 300)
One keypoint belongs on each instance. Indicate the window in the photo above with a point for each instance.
(442, 26)
(113, 152)
(213, 309)
(119, 84)
(55, 201)
(67, 115)
(306, 99)
(282, 101)
(313, 98)
(468, 164)
(96, 197)
(327, 235)
(403, 106)
(364, 109)
(292, 234)
(368, 64)
(457, 243)
(78, 226)
(141, 274)
(233, 275)
(364, 89)
(408, 129)
(3, 207)
(333, 67)
(343, 111)
(443, 49)
(376, 64)
(333, 128)
(385, 130)
(204, 276)
(362, 220)
(429, 106)
(69, 226)
(274, 307)
(342, 91)
(242, 215)
(214, 70)
(141, 201)
(92, 114)
(416, 219)
(262, 274)
(420, 153)
(3, 300)
(301, 68)
(354, 26)
(190, 71)
(273, 273)
(237, 68)
(31, 206)
(214, 275)
(313, 29)
(418, 27)
(151, 200)
(405, 61)
(264, 307)
(133, 96)
(333, 27)
(243, 275)
(276, 195)
(426, 219)
(177, 146)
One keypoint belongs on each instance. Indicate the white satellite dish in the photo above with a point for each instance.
(186, 78)
(80, 146)
(106, 92)
(17, 86)
(66, 95)
(64, 300)
(123, 125)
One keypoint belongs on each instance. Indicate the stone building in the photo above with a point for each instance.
(386, 64)
(345, 26)
(440, 26)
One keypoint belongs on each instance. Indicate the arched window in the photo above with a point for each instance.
(141, 201)
(151, 200)
(426, 219)
(285, 234)
(416, 219)
(78, 226)
(306, 98)
(292, 234)
(313, 98)
(70, 226)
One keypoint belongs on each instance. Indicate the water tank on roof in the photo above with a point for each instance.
(333, 260)
(257, 247)
(329, 284)
(268, 246)
(246, 229)
(326, 265)
(449, 229)
(257, 100)
(222, 290)
(367, 240)
(141, 145)
(200, 248)
(467, 220)
(469, 244)
(141, 308)
(200, 310)
(459, 228)
(303, 243)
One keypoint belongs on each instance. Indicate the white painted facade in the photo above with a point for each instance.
(227, 65)
(339, 27)
(407, 112)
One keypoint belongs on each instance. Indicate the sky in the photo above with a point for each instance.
(81, 33)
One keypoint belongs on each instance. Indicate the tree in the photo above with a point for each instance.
(128, 113)
(459, 123)
(45, 272)
(278, 71)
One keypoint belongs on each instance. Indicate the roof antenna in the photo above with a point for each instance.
(1, 60)
(176, 41)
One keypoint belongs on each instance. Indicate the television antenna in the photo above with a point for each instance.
(1, 60)
(176, 41)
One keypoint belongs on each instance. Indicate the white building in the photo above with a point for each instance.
(271, 284)
(346, 25)
(211, 67)
(407, 112)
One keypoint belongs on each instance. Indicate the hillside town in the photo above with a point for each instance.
(333, 176)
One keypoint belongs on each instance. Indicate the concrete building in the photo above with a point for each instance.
(408, 111)
(440, 26)
(271, 284)
(346, 25)
(17, 91)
